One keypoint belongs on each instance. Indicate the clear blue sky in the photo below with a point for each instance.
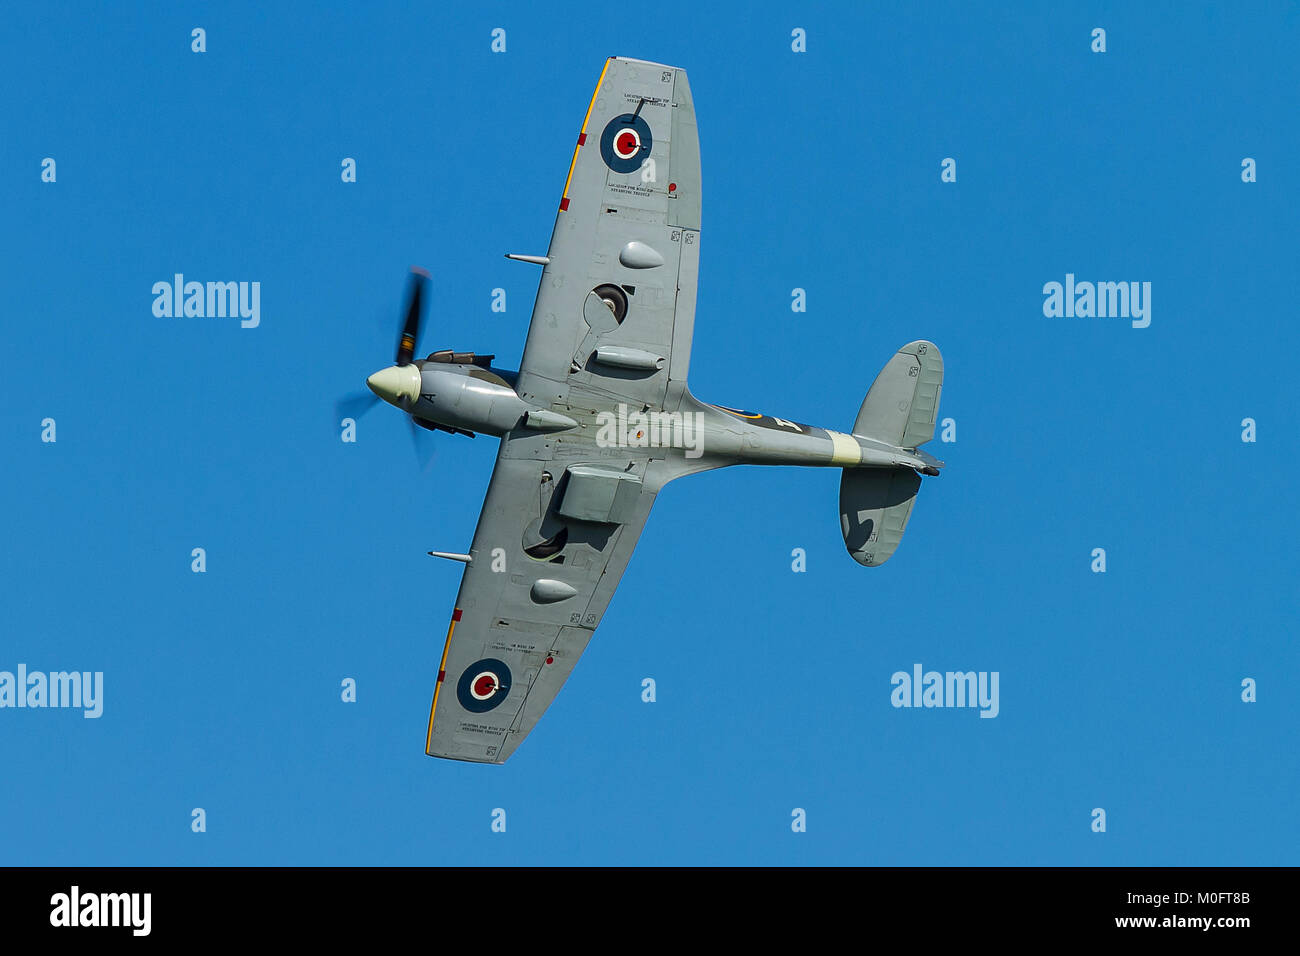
(821, 171)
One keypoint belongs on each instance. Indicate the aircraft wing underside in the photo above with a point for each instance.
(612, 325)
(624, 255)
(536, 589)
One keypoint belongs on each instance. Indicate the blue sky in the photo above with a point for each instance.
(1119, 690)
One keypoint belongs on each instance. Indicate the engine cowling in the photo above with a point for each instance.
(468, 397)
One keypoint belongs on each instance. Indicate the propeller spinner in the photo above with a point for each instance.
(399, 384)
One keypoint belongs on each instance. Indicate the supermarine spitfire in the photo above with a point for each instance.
(599, 418)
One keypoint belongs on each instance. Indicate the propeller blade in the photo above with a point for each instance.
(411, 328)
(355, 405)
(424, 443)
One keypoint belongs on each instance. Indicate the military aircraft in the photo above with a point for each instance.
(599, 418)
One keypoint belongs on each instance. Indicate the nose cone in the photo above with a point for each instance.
(396, 383)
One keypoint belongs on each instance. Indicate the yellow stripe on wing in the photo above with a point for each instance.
(583, 132)
(442, 674)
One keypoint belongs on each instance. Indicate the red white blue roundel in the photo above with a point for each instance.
(625, 143)
(483, 685)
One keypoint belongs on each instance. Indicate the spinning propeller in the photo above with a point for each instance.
(399, 384)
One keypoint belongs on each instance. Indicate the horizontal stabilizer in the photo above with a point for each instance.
(901, 407)
(875, 504)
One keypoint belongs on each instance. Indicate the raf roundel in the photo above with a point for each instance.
(625, 143)
(483, 685)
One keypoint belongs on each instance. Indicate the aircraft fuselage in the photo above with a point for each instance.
(482, 400)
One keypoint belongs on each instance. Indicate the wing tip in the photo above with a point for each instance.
(631, 59)
(464, 758)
